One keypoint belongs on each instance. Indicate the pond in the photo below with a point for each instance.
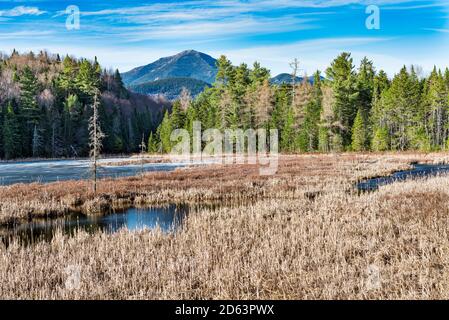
(59, 170)
(418, 171)
(167, 218)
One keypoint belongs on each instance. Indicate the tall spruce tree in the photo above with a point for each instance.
(11, 134)
(343, 82)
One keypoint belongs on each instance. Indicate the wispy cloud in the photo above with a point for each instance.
(437, 30)
(214, 28)
(24, 35)
(21, 11)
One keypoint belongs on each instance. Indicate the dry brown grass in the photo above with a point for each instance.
(297, 176)
(284, 244)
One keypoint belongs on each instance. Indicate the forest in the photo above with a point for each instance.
(46, 102)
(350, 109)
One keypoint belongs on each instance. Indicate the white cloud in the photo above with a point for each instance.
(24, 35)
(21, 11)
(204, 29)
(205, 9)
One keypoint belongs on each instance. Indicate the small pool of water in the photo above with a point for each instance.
(167, 218)
(418, 171)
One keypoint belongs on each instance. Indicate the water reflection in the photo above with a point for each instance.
(418, 171)
(167, 218)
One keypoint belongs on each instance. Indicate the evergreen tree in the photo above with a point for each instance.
(165, 131)
(308, 139)
(153, 146)
(11, 134)
(288, 132)
(433, 114)
(343, 81)
(225, 72)
(381, 139)
(66, 80)
(29, 110)
(400, 104)
(177, 116)
(360, 139)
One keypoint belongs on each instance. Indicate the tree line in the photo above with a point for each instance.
(46, 103)
(350, 109)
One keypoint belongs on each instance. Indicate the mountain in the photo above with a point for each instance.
(187, 64)
(285, 78)
(171, 88)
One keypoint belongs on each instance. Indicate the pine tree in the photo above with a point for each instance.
(360, 132)
(400, 105)
(29, 110)
(433, 114)
(381, 139)
(225, 71)
(165, 131)
(258, 74)
(309, 132)
(177, 115)
(66, 80)
(11, 134)
(152, 144)
(87, 79)
(288, 132)
(343, 81)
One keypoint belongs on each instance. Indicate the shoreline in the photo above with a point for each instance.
(196, 184)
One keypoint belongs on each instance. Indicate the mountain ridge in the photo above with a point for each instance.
(186, 64)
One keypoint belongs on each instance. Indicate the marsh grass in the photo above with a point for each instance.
(284, 244)
(297, 176)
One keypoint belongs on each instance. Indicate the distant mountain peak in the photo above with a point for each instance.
(286, 78)
(186, 64)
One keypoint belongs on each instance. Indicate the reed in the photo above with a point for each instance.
(297, 176)
(388, 244)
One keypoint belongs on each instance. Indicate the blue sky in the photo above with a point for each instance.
(126, 34)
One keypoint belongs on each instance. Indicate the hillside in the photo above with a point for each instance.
(286, 78)
(171, 88)
(46, 102)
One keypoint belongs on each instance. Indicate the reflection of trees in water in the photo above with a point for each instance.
(167, 218)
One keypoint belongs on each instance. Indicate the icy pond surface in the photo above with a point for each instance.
(167, 218)
(418, 171)
(59, 170)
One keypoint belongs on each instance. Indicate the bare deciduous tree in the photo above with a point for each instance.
(143, 149)
(96, 136)
(295, 69)
(185, 98)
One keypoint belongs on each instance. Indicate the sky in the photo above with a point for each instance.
(125, 34)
